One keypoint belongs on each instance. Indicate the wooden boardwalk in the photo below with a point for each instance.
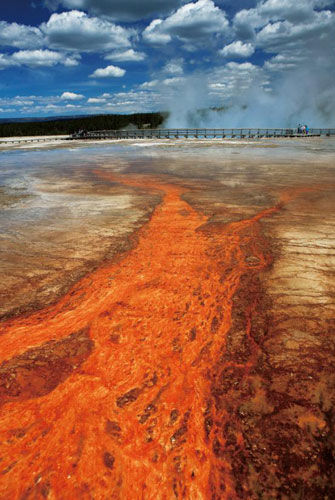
(175, 133)
(200, 133)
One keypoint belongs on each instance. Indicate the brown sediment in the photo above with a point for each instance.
(180, 396)
(40, 370)
(273, 386)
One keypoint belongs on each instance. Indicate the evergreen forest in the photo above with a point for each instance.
(64, 126)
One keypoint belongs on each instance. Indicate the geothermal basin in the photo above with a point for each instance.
(167, 320)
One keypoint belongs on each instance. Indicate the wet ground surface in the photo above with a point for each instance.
(168, 321)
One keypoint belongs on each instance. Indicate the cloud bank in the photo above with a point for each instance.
(258, 62)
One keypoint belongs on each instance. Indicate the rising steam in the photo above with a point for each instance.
(303, 95)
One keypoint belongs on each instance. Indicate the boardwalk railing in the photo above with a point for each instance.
(25, 140)
(177, 133)
(201, 133)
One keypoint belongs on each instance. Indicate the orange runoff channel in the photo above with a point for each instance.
(129, 421)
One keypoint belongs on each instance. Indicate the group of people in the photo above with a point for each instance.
(303, 129)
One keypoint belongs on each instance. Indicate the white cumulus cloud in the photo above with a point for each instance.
(237, 49)
(71, 96)
(126, 55)
(121, 10)
(247, 22)
(37, 58)
(20, 36)
(75, 30)
(150, 85)
(5, 61)
(193, 22)
(96, 100)
(283, 35)
(109, 71)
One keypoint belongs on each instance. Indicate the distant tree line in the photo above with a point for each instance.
(71, 125)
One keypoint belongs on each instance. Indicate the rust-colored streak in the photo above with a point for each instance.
(139, 417)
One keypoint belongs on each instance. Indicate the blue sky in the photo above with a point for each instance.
(72, 57)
